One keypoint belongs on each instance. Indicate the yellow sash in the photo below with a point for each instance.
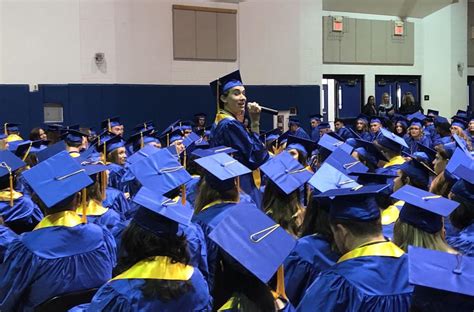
(221, 115)
(5, 195)
(397, 160)
(381, 249)
(229, 304)
(14, 138)
(158, 268)
(64, 218)
(217, 202)
(390, 215)
(93, 209)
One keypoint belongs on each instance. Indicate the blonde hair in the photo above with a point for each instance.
(405, 234)
(460, 132)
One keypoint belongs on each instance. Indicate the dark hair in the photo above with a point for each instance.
(35, 134)
(443, 128)
(73, 144)
(360, 228)
(390, 153)
(407, 180)
(140, 244)
(404, 129)
(65, 204)
(463, 215)
(206, 195)
(224, 94)
(316, 220)
(282, 208)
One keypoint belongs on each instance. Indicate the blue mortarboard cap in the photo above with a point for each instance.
(29, 147)
(441, 270)
(465, 186)
(417, 168)
(74, 136)
(189, 140)
(54, 127)
(226, 83)
(186, 125)
(57, 178)
(9, 162)
(423, 209)
(459, 122)
(461, 113)
(254, 240)
(363, 118)
(110, 123)
(376, 119)
(271, 135)
(214, 150)
(465, 173)
(416, 122)
(160, 214)
(327, 178)
(175, 135)
(160, 171)
(459, 157)
(90, 166)
(460, 143)
(197, 115)
(12, 126)
(431, 153)
(367, 178)
(317, 117)
(344, 162)
(301, 144)
(170, 128)
(111, 143)
(356, 203)
(391, 140)
(416, 115)
(51, 151)
(13, 146)
(138, 136)
(371, 149)
(221, 169)
(324, 125)
(142, 154)
(146, 125)
(293, 121)
(432, 112)
(286, 172)
(331, 144)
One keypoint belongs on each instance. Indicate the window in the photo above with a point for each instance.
(53, 112)
(204, 33)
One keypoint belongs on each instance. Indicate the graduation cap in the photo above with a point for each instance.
(391, 141)
(160, 171)
(371, 149)
(73, 136)
(200, 115)
(417, 115)
(9, 163)
(330, 143)
(324, 125)
(186, 125)
(51, 151)
(70, 127)
(286, 172)
(461, 113)
(270, 136)
(91, 167)
(317, 117)
(327, 178)
(440, 270)
(367, 178)
(431, 153)
(304, 146)
(259, 244)
(225, 83)
(146, 125)
(211, 151)
(461, 143)
(465, 186)
(357, 203)
(111, 122)
(293, 121)
(140, 138)
(422, 209)
(416, 122)
(459, 122)
(417, 168)
(109, 144)
(344, 162)
(142, 154)
(432, 112)
(221, 169)
(11, 127)
(54, 127)
(29, 147)
(376, 119)
(57, 178)
(401, 119)
(459, 157)
(159, 214)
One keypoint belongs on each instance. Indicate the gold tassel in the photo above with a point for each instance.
(27, 151)
(281, 283)
(109, 128)
(238, 188)
(84, 205)
(105, 154)
(103, 184)
(183, 194)
(167, 139)
(217, 92)
(11, 187)
(5, 128)
(142, 142)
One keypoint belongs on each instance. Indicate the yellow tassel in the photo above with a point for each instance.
(5, 128)
(11, 188)
(167, 139)
(105, 154)
(217, 92)
(281, 283)
(109, 128)
(103, 184)
(84, 205)
(27, 151)
(142, 142)
(183, 194)
(238, 187)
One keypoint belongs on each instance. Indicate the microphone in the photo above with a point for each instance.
(268, 110)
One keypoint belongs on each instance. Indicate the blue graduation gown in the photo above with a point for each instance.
(251, 152)
(300, 133)
(123, 293)
(192, 189)
(208, 220)
(361, 283)
(6, 237)
(25, 214)
(311, 255)
(413, 147)
(392, 166)
(463, 241)
(54, 260)
(315, 134)
(105, 217)
(115, 200)
(344, 133)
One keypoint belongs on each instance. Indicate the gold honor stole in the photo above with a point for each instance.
(5, 195)
(64, 218)
(390, 215)
(158, 268)
(217, 202)
(380, 249)
(93, 209)
(221, 115)
(397, 160)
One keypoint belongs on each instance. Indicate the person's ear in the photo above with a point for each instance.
(223, 98)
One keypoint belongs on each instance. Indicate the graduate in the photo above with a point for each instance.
(227, 130)
(12, 131)
(62, 254)
(17, 210)
(390, 146)
(315, 121)
(416, 136)
(282, 195)
(154, 271)
(420, 223)
(218, 192)
(314, 251)
(372, 274)
(253, 253)
(113, 125)
(296, 130)
(442, 281)
(374, 127)
(75, 142)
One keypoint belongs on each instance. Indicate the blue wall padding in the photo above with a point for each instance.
(88, 104)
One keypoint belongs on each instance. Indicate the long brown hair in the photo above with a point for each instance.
(206, 195)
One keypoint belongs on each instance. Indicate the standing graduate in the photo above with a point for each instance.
(62, 254)
(227, 130)
(153, 272)
(372, 274)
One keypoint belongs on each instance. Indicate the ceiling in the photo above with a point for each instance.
(401, 8)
